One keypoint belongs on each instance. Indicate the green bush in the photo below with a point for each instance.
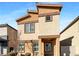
(27, 54)
(22, 54)
(12, 54)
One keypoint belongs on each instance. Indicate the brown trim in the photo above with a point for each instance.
(49, 36)
(34, 12)
(48, 14)
(48, 39)
(74, 21)
(49, 6)
(32, 21)
(22, 18)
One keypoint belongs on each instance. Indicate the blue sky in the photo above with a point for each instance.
(11, 11)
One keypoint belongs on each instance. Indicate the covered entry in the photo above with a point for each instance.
(49, 45)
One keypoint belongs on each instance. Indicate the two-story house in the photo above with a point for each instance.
(38, 31)
(8, 39)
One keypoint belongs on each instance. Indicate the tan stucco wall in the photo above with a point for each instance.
(49, 28)
(72, 31)
(3, 31)
(28, 36)
(57, 48)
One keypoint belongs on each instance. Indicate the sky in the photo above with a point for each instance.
(11, 11)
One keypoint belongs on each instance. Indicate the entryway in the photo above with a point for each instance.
(48, 46)
(48, 49)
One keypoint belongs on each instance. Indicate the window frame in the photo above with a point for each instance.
(20, 46)
(35, 47)
(50, 18)
(30, 31)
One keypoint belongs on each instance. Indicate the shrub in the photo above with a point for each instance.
(27, 54)
(12, 54)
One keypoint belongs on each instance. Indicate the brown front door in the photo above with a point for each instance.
(48, 48)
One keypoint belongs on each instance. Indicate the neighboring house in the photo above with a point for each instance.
(8, 39)
(39, 31)
(69, 39)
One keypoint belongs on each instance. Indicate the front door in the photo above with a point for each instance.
(48, 49)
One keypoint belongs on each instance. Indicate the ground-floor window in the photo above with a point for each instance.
(35, 47)
(21, 46)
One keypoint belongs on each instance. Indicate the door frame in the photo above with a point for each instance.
(52, 45)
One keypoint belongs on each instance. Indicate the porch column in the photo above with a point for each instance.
(57, 47)
(40, 43)
(41, 48)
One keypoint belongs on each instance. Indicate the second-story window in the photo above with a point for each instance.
(48, 18)
(30, 27)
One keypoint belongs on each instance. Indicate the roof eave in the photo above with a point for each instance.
(22, 18)
(50, 5)
(74, 21)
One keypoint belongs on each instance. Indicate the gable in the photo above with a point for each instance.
(30, 18)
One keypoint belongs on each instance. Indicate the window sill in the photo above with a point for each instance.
(29, 32)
